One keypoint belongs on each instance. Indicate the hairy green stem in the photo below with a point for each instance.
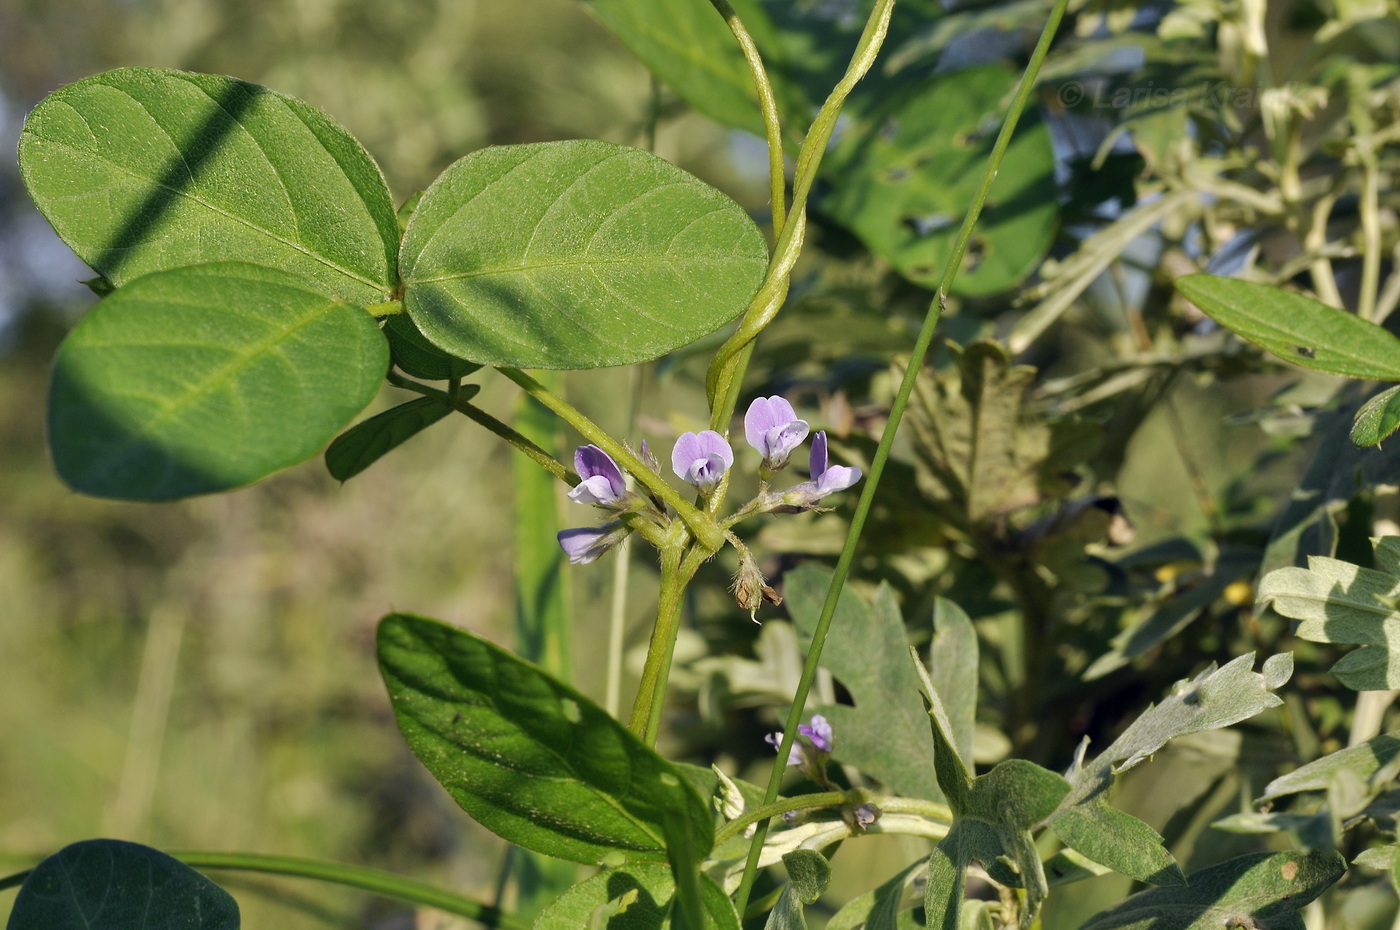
(701, 526)
(768, 106)
(882, 453)
(726, 372)
(888, 804)
(540, 457)
(645, 722)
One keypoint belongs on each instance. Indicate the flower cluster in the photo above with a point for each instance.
(703, 460)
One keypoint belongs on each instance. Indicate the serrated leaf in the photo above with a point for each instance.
(115, 885)
(575, 254)
(886, 733)
(1261, 890)
(367, 442)
(414, 355)
(142, 170)
(904, 173)
(1297, 329)
(1337, 602)
(1213, 699)
(529, 757)
(1377, 418)
(651, 889)
(206, 378)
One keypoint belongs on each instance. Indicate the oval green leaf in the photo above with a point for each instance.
(366, 443)
(114, 885)
(1297, 329)
(575, 254)
(207, 378)
(529, 757)
(415, 356)
(905, 172)
(637, 897)
(1377, 419)
(142, 169)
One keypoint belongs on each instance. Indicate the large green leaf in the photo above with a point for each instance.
(885, 734)
(528, 756)
(1297, 328)
(906, 171)
(637, 897)
(206, 378)
(687, 45)
(1365, 760)
(1264, 890)
(575, 254)
(114, 885)
(141, 170)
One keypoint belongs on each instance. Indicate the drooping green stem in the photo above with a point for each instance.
(375, 881)
(727, 370)
(651, 690)
(481, 417)
(768, 106)
(701, 526)
(882, 453)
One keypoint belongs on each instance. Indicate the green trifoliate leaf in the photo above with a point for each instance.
(1297, 329)
(114, 885)
(637, 897)
(206, 378)
(531, 758)
(1265, 890)
(143, 170)
(366, 443)
(1377, 419)
(575, 254)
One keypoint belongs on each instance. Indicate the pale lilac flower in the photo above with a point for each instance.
(602, 482)
(820, 735)
(585, 543)
(775, 739)
(819, 732)
(702, 459)
(772, 427)
(826, 479)
(829, 478)
(865, 815)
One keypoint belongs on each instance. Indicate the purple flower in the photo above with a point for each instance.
(772, 427)
(826, 479)
(602, 480)
(820, 735)
(775, 739)
(819, 732)
(585, 543)
(702, 459)
(829, 478)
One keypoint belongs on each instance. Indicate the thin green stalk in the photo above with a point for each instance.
(768, 106)
(882, 453)
(482, 418)
(726, 372)
(644, 722)
(701, 526)
(1370, 235)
